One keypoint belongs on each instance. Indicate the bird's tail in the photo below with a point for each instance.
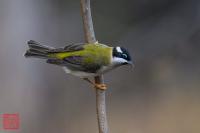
(37, 50)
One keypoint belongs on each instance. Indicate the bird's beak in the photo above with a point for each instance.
(130, 63)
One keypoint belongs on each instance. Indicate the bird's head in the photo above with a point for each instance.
(121, 56)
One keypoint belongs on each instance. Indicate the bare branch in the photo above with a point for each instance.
(87, 21)
(100, 94)
(101, 107)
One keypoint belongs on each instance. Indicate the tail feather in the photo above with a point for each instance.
(34, 54)
(35, 45)
(37, 50)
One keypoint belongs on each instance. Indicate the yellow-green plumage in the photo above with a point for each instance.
(91, 53)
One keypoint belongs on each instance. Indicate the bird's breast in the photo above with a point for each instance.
(80, 74)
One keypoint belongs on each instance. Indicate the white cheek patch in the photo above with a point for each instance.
(117, 60)
(119, 49)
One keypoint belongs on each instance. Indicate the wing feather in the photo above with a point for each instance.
(77, 62)
(69, 48)
(74, 62)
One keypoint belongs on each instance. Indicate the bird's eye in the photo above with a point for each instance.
(125, 55)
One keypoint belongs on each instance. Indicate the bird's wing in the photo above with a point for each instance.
(74, 62)
(56, 62)
(69, 48)
(77, 62)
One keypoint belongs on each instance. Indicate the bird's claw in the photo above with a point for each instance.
(100, 86)
(96, 85)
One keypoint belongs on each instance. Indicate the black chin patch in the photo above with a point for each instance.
(125, 63)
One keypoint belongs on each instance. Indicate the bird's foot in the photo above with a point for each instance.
(96, 85)
(100, 86)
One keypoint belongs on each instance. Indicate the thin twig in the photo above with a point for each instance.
(101, 107)
(100, 94)
(87, 21)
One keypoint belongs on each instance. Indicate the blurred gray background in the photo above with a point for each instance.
(161, 95)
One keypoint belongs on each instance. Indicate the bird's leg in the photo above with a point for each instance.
(98, 86)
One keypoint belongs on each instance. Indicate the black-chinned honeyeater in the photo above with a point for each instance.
(82, 60)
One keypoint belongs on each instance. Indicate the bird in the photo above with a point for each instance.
(84, 60)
